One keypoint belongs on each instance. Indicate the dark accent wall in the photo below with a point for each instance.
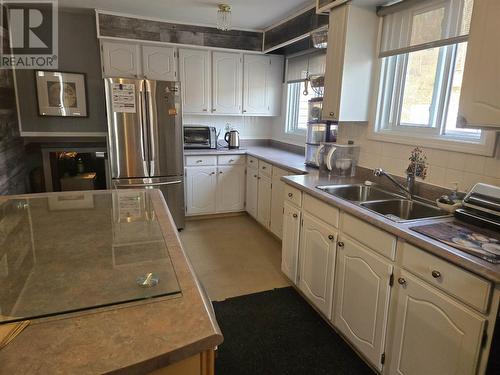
(297, 26)
(12, 157)
(79, 53)
(147, 30)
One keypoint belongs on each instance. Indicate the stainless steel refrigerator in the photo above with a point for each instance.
(145, 138)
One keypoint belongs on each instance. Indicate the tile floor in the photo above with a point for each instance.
(233, 256)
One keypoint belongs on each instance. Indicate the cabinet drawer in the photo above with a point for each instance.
(293, 195)
(230, 159)
(265, 168)
(252, 162)
(321, 210)
(370, 236)
(195, 160)
(461, 284)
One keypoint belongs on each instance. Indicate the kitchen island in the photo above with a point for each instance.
(76, 265)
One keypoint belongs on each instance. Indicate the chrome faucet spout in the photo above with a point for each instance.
(408, 191)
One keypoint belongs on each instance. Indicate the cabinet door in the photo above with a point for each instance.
(194, 69)
(480, 94)
(433, 334)
(121, 60)
(252, 191)
(362, 294)
(264, 200)
(227, 82)
(317, 262)
(277, 200)
(255, 73)
(201, 185)
(334, 63)
(158, 63)
(230, 188)
(275, 85)
(290, 244)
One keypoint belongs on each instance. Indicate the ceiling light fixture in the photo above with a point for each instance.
(224, 17)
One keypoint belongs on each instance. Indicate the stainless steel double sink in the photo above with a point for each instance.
(390, 205)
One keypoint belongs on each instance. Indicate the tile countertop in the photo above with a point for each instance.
(308, 183)
(290, 161)
(132, 338)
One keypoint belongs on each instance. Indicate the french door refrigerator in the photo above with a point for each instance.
(145, 138)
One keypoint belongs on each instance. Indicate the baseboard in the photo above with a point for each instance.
(215, 216)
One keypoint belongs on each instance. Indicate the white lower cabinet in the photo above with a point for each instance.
(230, 188)
(432, 334)
(201, 186)
(290, 242)
(264, 200)
(317, 262)
(362, 294)
(251, 191)
(278, 189)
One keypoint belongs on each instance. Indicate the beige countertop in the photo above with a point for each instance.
(130, 338)
(290, 161)
(308, 183)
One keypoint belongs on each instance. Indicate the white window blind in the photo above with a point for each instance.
(297, 67)
(424, 25)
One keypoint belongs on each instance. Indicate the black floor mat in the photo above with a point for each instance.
(277, 332)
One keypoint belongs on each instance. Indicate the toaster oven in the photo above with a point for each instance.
(200, 137)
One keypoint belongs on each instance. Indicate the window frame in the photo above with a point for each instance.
(385, 125)
(291, 125)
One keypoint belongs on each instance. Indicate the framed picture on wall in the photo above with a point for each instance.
(61, 94)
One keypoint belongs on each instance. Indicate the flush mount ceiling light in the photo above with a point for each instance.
(224, 17)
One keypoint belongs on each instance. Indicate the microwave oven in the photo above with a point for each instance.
(200, 137)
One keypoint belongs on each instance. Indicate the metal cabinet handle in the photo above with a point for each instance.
(205, 110)
(213, 110)
(231, 160)
(263, 167)
(251, 161)
(212, 173)
(331, 237)
(199, 161)
(332, 114)
(436, 274)
(255, 176)
(402, 281)
(295, 216)
(220, 172)
(341, 244)
(244, 110)
(290, 195)
(258, 178)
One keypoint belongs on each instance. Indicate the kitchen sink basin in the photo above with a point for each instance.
(404, 210)
(357, 192)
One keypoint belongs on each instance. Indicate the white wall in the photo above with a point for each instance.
(445, 167)
(249, 127)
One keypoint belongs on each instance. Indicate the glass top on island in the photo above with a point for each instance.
(71, 252)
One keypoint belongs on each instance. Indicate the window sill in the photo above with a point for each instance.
(485, 146)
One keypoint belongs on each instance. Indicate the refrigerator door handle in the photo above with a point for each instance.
(144, 122)
(150, 124)
(149, 184)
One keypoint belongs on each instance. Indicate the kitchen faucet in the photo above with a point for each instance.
(410, 180)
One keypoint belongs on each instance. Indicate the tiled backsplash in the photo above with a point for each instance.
(249, 127)
(445, 167)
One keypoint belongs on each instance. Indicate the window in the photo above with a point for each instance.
(297, 104)
(297, 99)
(422, 55)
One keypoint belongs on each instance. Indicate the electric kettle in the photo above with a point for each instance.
(233, 139)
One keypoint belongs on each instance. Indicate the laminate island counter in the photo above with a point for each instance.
(107, 287)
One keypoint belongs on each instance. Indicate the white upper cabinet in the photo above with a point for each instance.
(227, 69)
(121, 60)
(230, 188)
(362, 294)
(350, 57)
(432, 333)
(480, 95)
(194, 71)
(159, 63)
(262, 84)
(317, 262)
